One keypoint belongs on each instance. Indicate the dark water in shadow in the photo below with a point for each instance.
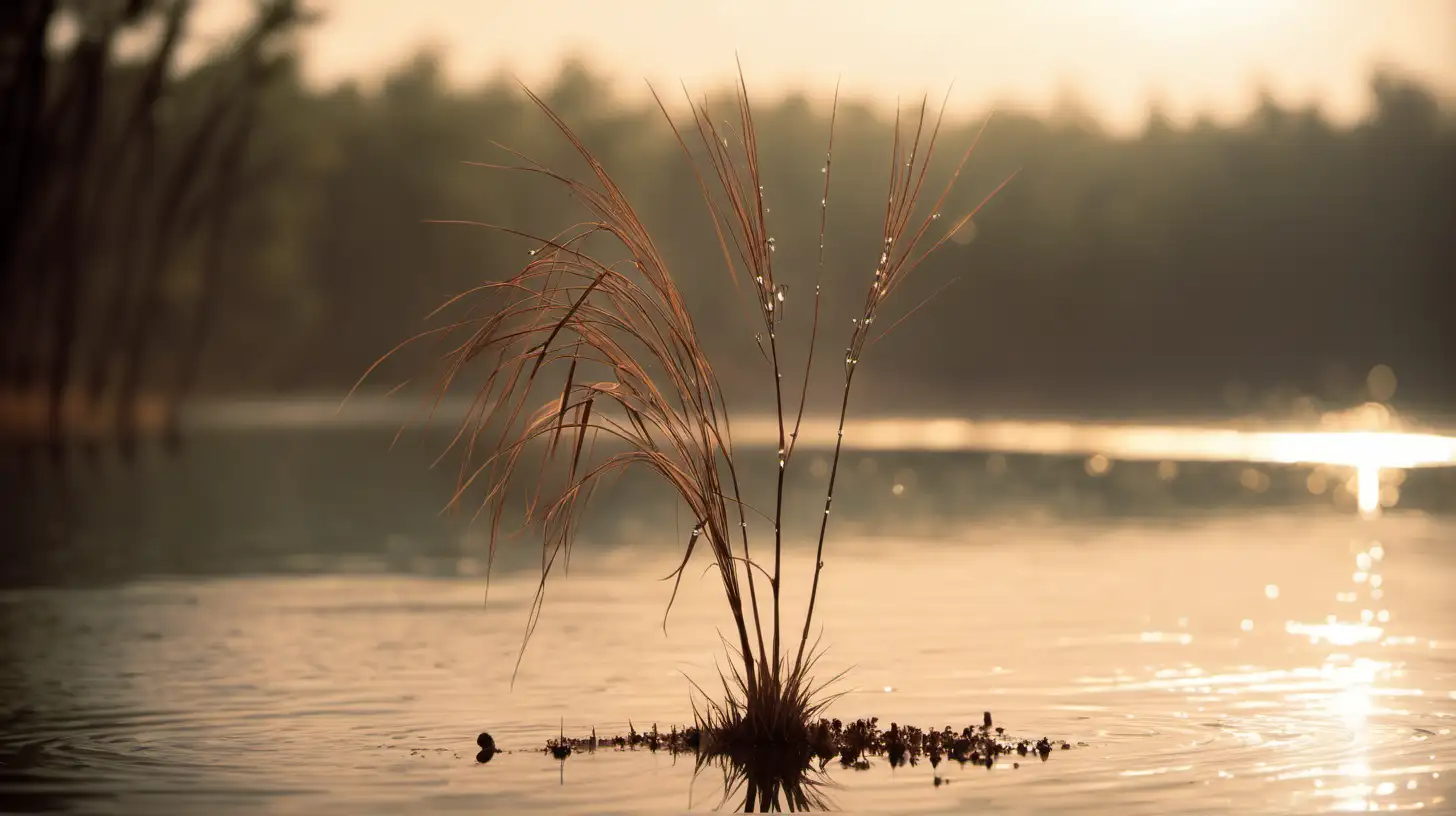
(283, 622)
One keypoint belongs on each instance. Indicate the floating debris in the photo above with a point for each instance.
(487, 747)
(854, 744)
(676, 741)
(561, 747)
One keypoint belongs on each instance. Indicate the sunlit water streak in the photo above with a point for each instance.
(1243, 665)
(1370, 441)
(1368, 437)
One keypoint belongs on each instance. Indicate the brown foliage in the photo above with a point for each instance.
(634, 375)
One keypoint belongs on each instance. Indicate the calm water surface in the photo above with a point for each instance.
(1265, 660)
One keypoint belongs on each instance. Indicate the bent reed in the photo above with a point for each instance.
(612, 350)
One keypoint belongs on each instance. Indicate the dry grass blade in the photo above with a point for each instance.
(635, 378)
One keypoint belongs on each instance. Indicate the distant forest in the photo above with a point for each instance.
(1203, 269)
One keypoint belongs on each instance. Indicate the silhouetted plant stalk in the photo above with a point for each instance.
(637, 376)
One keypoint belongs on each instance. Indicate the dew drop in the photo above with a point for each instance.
(534, 251)
(935, 217)
(823, 202)
(781, 290)
(824, 169)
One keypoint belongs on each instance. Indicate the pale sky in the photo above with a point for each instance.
(1194, 55)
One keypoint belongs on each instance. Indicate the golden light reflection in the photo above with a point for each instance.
(1367, 489)
(1338, 446)
(1369, 436)
(1381, 382)
(1336, 632)
(1353, 785)
(1359, 455)
(1325, 723)
(1316, 482)
(1254, 479)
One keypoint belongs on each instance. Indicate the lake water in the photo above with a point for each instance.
(282, 622)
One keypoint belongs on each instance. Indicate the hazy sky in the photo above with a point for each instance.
(1195, 55)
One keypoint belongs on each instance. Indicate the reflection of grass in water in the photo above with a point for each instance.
(634, 376)
(770, 780)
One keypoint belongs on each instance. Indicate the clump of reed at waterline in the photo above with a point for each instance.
(615, 347)
(793, 777)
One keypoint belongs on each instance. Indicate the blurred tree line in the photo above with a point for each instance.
(1176, 271)
(1163, 272)
(122, 175)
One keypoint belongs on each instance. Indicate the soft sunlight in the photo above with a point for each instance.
(386, 387)
(1200, 56)
(1203, 17)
